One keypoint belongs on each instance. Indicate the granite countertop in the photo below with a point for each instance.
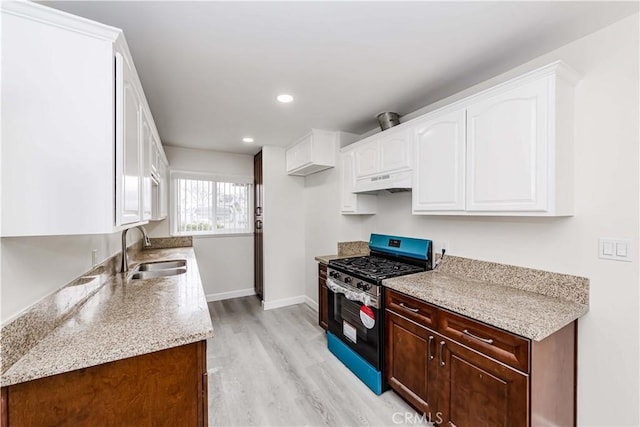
(529, 314)
(346, 250)
(125, 318)
(324, 259)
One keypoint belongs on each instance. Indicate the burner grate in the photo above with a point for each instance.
(376, 268)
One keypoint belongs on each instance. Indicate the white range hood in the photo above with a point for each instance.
(388, 181)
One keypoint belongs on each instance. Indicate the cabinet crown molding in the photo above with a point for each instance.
(50, 16)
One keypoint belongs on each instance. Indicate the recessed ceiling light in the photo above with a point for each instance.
(247, 139)
(284, 98)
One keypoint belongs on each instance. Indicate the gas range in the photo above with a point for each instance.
(355, 301)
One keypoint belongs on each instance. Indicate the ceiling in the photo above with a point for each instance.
(211, 70)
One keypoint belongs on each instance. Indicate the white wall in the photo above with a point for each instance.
(284, 232)
(324, 224)
(606, 205)
(34, 267)
(225, 262)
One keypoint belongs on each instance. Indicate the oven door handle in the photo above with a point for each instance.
(362, 297)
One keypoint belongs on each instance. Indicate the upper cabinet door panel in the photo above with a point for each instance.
(394, 151)
(507, 149)
(131, 134)
(439, 167)
(347, 198)
(367, 159)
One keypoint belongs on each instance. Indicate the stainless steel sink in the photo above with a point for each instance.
(150, 270)
(162, 265)
(137, 275)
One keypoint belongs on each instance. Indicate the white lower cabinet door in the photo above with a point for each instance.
(508, 148)
(439, 166)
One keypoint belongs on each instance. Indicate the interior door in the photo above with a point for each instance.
(258, 226)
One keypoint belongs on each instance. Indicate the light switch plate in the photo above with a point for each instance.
(615, 249)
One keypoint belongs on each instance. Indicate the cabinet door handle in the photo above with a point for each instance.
(415, 310)
(486, 340)
(440, 353)
(258, 211)
(259, 224)
(429, 347)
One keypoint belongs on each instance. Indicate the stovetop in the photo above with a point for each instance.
(374, 268)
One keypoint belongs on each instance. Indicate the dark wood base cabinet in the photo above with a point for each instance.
(165, 388)
(463, 373)
(323, 309)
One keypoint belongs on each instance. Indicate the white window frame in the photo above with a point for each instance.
(175, 175)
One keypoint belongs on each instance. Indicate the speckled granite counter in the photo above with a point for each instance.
(324, 259)
(346, 250)
(124, 318)
(506, 302)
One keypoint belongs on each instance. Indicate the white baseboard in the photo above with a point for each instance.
(270, 305)
(311, 303)
(232, 294)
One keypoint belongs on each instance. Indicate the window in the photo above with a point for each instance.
(203, 204)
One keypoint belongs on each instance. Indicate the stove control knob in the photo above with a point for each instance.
(366, 287)
(360, 285)
(347, 280)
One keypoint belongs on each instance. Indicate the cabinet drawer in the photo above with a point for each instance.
(492, 342)
(322, 270)
(411, 308)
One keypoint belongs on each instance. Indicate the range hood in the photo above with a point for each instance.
(392, 182)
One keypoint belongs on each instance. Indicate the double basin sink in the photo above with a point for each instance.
(151, 270)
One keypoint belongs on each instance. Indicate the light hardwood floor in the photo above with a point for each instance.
(273, 368)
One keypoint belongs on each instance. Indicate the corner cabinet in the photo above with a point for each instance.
(505, 151)
(464, 373)
(313, 153)
(69, 164)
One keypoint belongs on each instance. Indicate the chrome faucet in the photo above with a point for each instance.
(124, 266)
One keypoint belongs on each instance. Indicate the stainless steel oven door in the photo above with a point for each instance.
(356, 324)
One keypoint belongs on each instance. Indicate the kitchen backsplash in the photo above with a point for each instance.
(557, 285)
(353, 248)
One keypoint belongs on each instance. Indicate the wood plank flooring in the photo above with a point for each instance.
(273, 368)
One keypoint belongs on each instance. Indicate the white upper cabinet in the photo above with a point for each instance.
(505, 151)
(313, 153)
(383, 152)
(350, 203)
(149, 152)
(439, 169)
(508, 150)
(367, 159)
(70, 165)
(394, 149)
(130, 135)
